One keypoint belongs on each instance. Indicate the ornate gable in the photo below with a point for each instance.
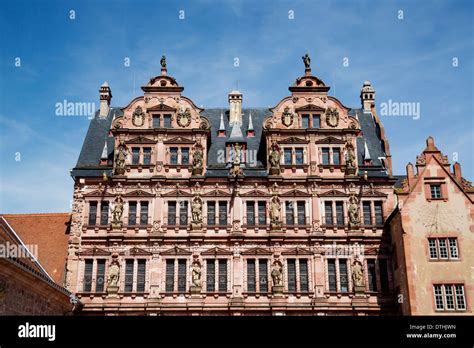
(297, 251)
(94, 252)
(139, 193)
(255, 193)
(136, 252)
(177, 193)
(176, 251)
(333, 193)
(216, 251)
(216, 193)
(330, 140)
(257, 251)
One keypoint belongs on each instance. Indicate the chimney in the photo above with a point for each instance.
(105, 95)
(457, 171)
(367, 96)
(235, 108)
(410, 173)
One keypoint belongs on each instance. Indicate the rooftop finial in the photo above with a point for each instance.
(163, 65)
(306, 61)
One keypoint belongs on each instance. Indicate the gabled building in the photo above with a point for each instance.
(240, 211)
(432, 230)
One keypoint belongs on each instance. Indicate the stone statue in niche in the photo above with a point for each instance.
(120, 158)
(358, 277)
(117, 213)
(275, 213)
(138, 117)
(332, 117)
(277, 273)
(354, 213)
(196, 274)
(113, 278)
(350, 159)
(198, 160)
(306, 61)
(275, 157)
(196, 211)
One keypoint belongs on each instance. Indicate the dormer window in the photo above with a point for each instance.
(435, 191)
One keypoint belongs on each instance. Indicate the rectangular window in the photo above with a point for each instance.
(325, 154)
(460, 299)
(223, 213)
(433, 248)
(304, 283)
(316, 121)
(251, 213)
(141, 275)
(156, 121)
(435, 191)
(211, 213)
(262, 213)
(135, 155)
(372, 275)
(287, 156)
(290, 217)
(328, 213)
(332, 280)
(92, 213)
(132, 213)
(167, 121)
(147, 155)
(367, 213)
(443, 249)
(183, 213)
(87, 285)
(336, 156)
(378, 213)
(438, 293)
(453, 248)
(343, 279)
(173, 155)
(340, 213)
(291, 275)
(300, 209)
(211, 276)
(263, 275)
(143, 213)
(169, 287)
(223, 275)
(182, 275)
(448, 290)
(128, 276)
(104, 213)
(100, 276)
(383, 270)
(305, 121)
(185, 155)
(251, 276)
(299, 155)
(172, 213)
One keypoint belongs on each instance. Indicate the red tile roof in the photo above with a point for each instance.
(50, 231)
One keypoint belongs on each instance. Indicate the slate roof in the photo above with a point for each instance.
(97, 135)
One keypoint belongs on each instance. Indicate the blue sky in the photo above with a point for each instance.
(407, 60)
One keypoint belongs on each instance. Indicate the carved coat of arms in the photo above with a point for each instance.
(332, 117)
(287, 117)
(138, 117)
(184, 117)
